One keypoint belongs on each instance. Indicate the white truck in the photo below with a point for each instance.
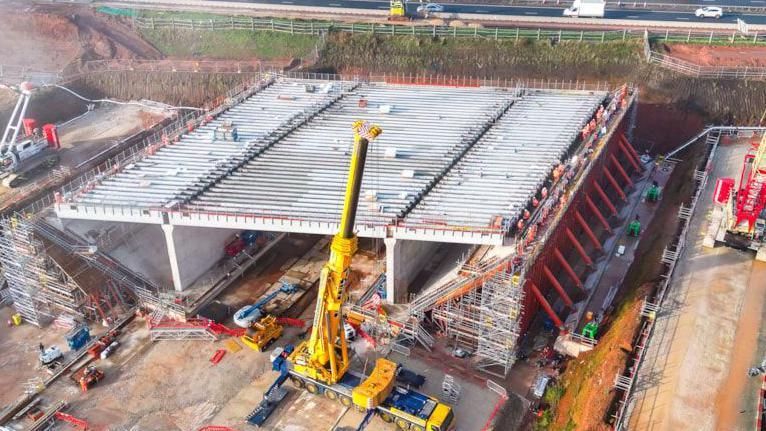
(586, 9)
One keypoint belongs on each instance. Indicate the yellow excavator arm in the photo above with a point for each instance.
(324, 357)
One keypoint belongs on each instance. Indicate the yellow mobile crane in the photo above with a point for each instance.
(321, 363)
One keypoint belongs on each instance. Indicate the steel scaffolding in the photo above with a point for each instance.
(38, 287)
(486, 321)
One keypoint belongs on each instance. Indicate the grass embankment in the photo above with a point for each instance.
(584, 398)
(230, 44)
(525, 58)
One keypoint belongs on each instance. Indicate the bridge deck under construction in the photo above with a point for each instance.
(453, 164)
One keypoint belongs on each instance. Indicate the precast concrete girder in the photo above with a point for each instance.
(556, 285)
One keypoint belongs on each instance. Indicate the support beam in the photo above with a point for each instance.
(622, 172)
(170, 242)
(604, 197)
(588, 232)
(556, 285)
(405, 259)
(568, 269)
(594, 209)
(578, 247)
(629, 155)
(630, 148)
(546, 306)
(615, 184)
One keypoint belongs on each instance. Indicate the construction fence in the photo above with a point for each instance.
(697, 71)
(320, 28)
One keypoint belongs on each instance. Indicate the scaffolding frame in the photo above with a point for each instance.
(486, 321)
(38, 286)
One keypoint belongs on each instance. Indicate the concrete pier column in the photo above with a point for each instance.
(192, 251)
(404, 261)
(168, 230)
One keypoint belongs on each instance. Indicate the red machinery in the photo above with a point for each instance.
(739, 217)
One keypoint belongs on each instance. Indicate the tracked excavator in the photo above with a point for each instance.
(320, 364)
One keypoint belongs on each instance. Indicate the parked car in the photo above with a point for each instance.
(709, 12)
(430, 8)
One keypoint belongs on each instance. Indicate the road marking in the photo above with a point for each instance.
(383, 7)
(481, 11)
(757, 1)
(530, 13)
(683, 19)
(333, 4)
(632, 16)
(287, 2)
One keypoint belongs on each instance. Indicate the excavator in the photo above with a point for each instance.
(320, 364)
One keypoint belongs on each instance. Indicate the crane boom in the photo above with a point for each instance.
(324, 356)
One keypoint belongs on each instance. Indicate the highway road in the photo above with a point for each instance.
(532, 12)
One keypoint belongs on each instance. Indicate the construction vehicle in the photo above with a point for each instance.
(49, 356)
(21, 156)
(321, 363)
(739, 213)
(262, 333)
(78, 337)
(247, 315)
(397, 10)
(87, 377)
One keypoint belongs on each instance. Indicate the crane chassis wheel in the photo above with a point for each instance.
(387, 418)
(312, 388)
(298, 383)
(346, 401)
(330, 395)
(402, 424)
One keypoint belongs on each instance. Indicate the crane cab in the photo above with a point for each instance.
(397, 10)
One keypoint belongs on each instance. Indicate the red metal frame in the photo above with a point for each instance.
(546, 306)
(622, 172)
(559, 288)
(596, 212)
(615, 184)
(588, 232)
(568, 269)
(604, 198)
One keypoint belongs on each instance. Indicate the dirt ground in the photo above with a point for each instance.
(49, 38)
(716, 55)
(707, 335)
